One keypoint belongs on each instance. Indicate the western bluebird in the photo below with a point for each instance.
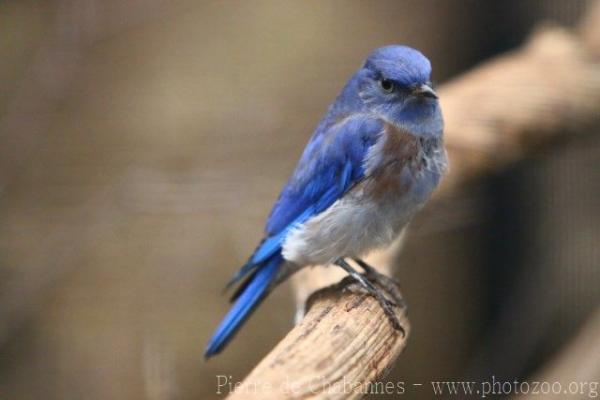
(370, 165)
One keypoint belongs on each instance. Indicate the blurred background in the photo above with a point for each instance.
(142, 143)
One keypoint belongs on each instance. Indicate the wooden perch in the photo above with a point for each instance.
(495, 114)
(344, 343)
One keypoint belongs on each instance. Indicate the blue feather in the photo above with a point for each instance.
(250, 298)
(333, 158)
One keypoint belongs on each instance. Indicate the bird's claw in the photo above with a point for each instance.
(385, 285)
(388, 283)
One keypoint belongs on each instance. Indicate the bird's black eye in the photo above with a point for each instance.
(386, 85)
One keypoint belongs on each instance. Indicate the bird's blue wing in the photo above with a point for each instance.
(331, 164)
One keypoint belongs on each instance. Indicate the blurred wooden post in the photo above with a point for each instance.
(495, 114)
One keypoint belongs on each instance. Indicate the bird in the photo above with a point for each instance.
(370, 165)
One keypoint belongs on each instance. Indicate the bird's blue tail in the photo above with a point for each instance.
(250, 297)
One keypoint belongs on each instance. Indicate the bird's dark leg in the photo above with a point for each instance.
(388, 283)
(387, 305)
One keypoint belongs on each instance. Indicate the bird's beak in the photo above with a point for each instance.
(425, 91)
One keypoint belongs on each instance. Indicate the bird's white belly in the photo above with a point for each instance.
(351, 227)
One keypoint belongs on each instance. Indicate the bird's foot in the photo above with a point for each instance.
(367, 280)
(387, 282)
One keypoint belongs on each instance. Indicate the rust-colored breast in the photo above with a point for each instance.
(400, 151)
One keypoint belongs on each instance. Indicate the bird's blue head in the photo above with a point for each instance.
(394, 82)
